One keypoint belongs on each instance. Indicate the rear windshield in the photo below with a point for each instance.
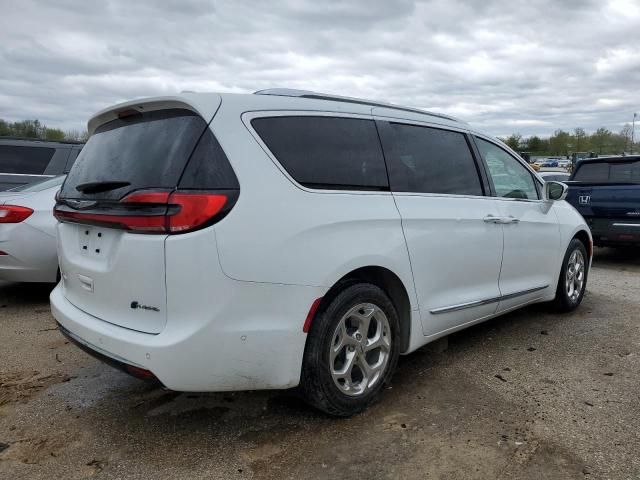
(142, 151)
(603, 172)
(24, 160)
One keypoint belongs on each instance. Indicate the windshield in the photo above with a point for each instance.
(40, 185)
(608, 172)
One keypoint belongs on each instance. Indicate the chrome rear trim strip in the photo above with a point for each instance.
(487, 301)
(627, 225)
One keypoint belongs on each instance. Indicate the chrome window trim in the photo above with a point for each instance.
(28, 175)
(477, 303)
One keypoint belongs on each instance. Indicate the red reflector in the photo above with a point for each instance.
(14, 214)
(139, 372)
(311, 314)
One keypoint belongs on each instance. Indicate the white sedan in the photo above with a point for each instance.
(28, 233)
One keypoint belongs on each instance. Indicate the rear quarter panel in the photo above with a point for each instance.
(280, 232)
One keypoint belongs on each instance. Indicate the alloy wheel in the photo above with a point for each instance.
(360, 349)
(575, 275)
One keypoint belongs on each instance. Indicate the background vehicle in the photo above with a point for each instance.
(554, 176)
(577, 157)
(28, 232)
(550, 163)
(291, 238)
(606, 191)
(23, 161)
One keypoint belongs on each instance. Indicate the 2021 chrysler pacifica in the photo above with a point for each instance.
(288, 238)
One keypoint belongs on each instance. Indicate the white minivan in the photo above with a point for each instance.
(287, 238)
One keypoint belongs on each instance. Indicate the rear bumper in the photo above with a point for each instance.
(106, 358)
(256, 342)
(614, 232)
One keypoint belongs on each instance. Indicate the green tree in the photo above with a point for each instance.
(580, 140)
(513, 141)
(5, 128)
(559, 142)
(625, 133)
(53, 134)
(535, 144)
(601, 140)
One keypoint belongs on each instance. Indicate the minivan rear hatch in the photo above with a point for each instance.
(132, 185)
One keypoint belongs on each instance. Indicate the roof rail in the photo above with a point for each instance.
(292, 92)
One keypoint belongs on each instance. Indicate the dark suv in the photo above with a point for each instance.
(24, 161)
(606, 191)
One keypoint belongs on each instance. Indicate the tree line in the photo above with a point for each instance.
(602, 141)
(36, 129)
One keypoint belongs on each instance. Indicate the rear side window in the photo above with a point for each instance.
(430, 160)
(603, 172)
(149, 150)
(209, 168)
(326, 152)
(24, 160)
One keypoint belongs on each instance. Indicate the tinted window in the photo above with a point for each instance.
(326, 152)
(592, 172)
(510, 178)
(614, 172)
(430, 160)
(146, 151)
(624, 172)
(208, 167)
(24, 160)
(561, 177)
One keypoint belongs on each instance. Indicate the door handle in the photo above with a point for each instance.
(492, 219)
(501, 220)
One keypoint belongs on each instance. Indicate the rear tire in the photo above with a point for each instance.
(573, 278)
(351, 352)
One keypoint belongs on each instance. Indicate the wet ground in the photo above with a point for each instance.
(532, 395)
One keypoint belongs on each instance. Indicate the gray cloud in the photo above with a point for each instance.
(527, 66)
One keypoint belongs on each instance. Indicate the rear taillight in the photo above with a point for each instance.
(14, 213)
(150, 211)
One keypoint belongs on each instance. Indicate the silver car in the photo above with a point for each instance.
(27, 232)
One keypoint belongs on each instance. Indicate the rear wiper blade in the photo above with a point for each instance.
(104, 186)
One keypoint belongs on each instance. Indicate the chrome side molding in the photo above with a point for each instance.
(462, 306)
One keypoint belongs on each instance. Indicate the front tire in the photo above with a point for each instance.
(351, 352)
(573, 277)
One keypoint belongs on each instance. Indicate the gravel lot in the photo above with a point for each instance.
(531, 395)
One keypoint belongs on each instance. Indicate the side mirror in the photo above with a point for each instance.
(555, 191)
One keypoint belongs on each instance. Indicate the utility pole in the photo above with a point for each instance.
(633, 131)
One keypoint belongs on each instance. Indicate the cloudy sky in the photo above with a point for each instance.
(505, 66)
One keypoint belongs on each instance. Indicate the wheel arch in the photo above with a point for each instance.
(388, 282)
(585, 238)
